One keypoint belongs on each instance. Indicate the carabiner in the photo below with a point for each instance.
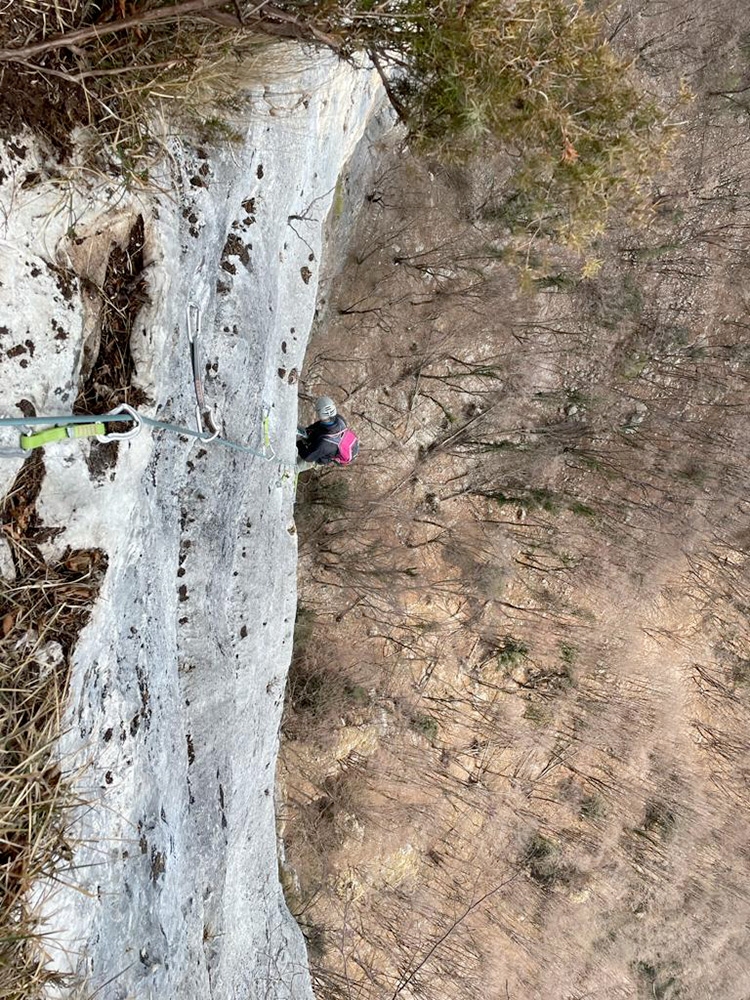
(123, 435)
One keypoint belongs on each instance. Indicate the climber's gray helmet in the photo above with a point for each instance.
(325, 408)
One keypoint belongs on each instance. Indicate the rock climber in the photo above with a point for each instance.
(319, 443)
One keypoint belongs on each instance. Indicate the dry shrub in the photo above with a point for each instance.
(320, 691)
(187, 67)
(42, 610)
(535, 76)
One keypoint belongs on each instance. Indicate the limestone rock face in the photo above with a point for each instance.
(177, 685)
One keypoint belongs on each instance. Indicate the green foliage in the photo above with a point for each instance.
(536, 713)
(426, 725)
(512, 652)
(741, 671)
(658, 822)
(304, 624)
(541, 859)
(582, 509)
(592, 808)
(559, 282)
(534, 75)
(657, 983)
(568, 653)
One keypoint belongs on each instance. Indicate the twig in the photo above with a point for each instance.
(97, 30)
(397, 104)
(459, 920)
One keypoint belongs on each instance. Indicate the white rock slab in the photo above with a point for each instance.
(178, 679)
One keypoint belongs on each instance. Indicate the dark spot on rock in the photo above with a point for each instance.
(222, 288)
(35, 271)
(293, 376)
(183, 621)
(30, 179)
(229, 267)
(158, 864)
(67, 281)
(109, 777)
(102, 459)
(181, 570)
(17, 149)
(281, 373)
(24, 362)
(190, 748)
(26, 407)
(108, 735)
(306, 274)
(30, 345)
(283, 347)
(198, 182)
(249, 205)
(135, 723)
(234, 247)
(204, 170)
(15, 351)
(243, 632)
(143, 844)
(183, 592)
(311, 257)
(259, 171)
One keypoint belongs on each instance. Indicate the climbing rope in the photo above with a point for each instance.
(86, 425)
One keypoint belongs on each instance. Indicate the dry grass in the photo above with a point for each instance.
(42, 610)
(123, 86)
(537, 76)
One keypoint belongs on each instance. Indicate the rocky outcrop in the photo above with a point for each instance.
(178, 679)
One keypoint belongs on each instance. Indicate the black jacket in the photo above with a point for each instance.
(316, 447)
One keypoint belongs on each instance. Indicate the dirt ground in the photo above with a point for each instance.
(515, 754)
(42, 101)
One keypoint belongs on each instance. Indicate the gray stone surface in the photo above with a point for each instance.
(178, 681)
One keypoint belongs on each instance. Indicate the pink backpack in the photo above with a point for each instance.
(348, 445)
